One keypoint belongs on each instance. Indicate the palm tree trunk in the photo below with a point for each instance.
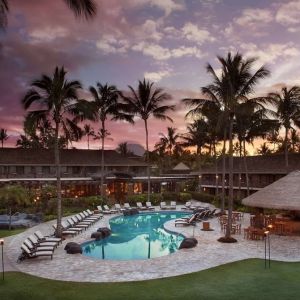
(240, 170)
(2, 142)
(246, 169)
(58, 232)
(223, 171)
(230, 200)
(148, 163)
(9, 225)
(88, 140)
(286, 149)
(102, 157)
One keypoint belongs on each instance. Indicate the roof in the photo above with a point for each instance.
(264, 164)
(281, 194)
(181, 166)
(69, 157)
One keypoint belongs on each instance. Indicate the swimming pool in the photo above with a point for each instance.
(135, 237)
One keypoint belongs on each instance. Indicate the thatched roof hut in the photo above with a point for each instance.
(281, 194)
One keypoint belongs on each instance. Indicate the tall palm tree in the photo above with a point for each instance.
(287, 104)
(59, 101)
(81, 8)
(264, 149)
(3, 136)
(123, 149)
(170, 140)
(145, 102)
(232, 87)
(88, 131)
(105, 104)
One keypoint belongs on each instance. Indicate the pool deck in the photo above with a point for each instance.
(208, 253)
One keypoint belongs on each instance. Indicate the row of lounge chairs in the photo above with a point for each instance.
(119, 209)
(37, 245)
(164, 206)
(196, 217)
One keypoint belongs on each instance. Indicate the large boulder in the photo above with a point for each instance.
(97, 236)
(73, 248)
(130, 212)
(188, 243)
(105, 232)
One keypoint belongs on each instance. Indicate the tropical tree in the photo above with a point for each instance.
(264, 149)
(105, 105)
(287, 104)
(123, 149)
(3, 136)
(13, 197)
(228, 90)
(59, 104)
(295, 141)
(81, 8)
(88, 131)
(145, 102)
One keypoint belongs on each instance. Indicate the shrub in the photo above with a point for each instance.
(203, 197)
(155, 198)
(184, 197)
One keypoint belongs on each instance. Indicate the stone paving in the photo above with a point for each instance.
(208, 253)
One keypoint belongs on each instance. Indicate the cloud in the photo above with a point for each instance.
(150, 30)
(254, 17)
(192, 33)
(157, 76)
(289, 13)
(48, 34)
(161, 53)
(109, 44)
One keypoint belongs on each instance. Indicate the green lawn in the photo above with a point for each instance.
(240, 280)
(6, 232)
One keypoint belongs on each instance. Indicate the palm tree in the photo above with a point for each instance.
(104, 105)
(287, 104)
(3, 136)
(145, 102)
(89, 132)
(123, 149)
(295, 141)
(264, 149)
(81, 8)
(229, 89)
(170, 140)
(59, 100)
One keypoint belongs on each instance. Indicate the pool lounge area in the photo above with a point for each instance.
(207, 254)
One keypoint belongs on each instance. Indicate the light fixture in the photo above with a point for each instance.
(2, 244)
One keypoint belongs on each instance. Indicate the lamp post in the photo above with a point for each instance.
(2, 257)
(267, 241)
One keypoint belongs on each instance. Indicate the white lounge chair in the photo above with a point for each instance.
(127, 206)
(36, 243)
(149, 205)
(163, 205)
(44, 238)
(173, 205)
(140, 206)
(32, 247)
(65, 231)
(32, 254)
(99, 207)
(187, 222)
(112, 211)
(119, 208)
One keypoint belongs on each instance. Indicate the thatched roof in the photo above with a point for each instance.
(181, 167)
(281, 194)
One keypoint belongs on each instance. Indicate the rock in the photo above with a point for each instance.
(104, 231)
(97, 236)
(130, 212)
(73, 248)
(188, 243)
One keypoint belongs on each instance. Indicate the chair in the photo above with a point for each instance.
(84, 218)
(65, 231)
(149, 205)
(140, 206)
(70, 227)
(36, 243)
(119, 208)
(188, 206)
(44, 238)
(94, 215)
(127, 206)
(112, 211)
(190, 221)
(32, 254)
(99, 207)
(173, 205)
(163, 205)
(77, 225)
(88, 217)
(32, 247)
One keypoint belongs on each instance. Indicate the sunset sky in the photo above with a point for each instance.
(166, 41)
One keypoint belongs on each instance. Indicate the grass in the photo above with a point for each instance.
(6, 232)
(239, 280)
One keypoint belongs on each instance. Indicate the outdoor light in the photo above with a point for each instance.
(2, 244)
(267, 237)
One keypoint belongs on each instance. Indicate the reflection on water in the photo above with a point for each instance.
(136, 237)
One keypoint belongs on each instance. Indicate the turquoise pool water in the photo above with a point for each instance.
(140, 236)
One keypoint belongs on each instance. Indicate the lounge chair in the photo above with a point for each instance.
(44, 238)
(127, 206)
(70, 227)
(190, 221)
(87, 216)
(187, 205)
(173, 205)
(95, 215)
(77, 225)
(36, 243)
(32, 254)
(65, 231)
(163, 206)
(149, 205)
(140, 206)
(119, 208)
(103, 211)
(82, 219)
(112, 211)
(32, 247)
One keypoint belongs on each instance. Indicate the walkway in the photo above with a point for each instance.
(209, 253)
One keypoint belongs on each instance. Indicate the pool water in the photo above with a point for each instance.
(140, 236)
